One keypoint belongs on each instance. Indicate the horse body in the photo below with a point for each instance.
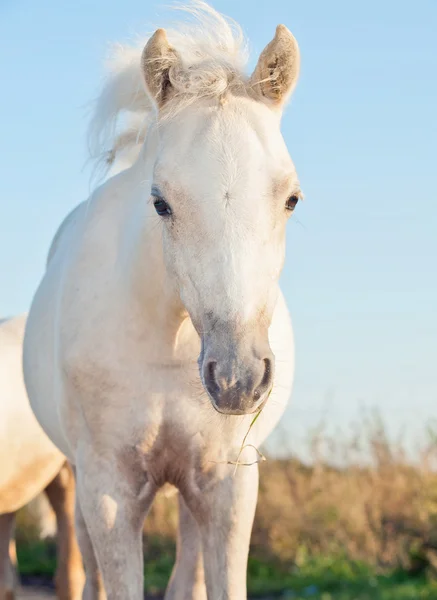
(30, 464)
(150, 344)
(29, 459)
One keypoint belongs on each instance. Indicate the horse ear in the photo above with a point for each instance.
(277, 71)
(157, 58)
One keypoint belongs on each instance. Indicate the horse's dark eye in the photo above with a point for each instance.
(161, 206)
(291, 202)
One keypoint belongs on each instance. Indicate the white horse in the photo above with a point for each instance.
(30, 463)
(172, 262)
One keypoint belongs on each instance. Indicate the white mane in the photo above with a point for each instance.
(213, 53)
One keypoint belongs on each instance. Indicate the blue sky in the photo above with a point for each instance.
(360, 277)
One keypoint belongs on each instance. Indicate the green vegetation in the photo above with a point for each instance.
(317, 579)
(37, 558)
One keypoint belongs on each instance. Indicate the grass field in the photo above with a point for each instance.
(365, 531)
(319, 579)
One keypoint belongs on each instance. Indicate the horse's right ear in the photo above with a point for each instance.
(157, 58)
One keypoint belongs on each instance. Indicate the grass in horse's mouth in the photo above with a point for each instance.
(237, 463)
(261, 456)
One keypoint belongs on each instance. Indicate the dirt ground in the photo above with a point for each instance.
(30, 593)
(33, 593)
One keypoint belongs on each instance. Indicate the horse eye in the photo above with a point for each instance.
(291, 203)
(161, 206)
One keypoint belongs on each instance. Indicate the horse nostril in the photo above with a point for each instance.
(238, 388)
(265, 381)
(211, 370)
(267, 373)
(210, 376)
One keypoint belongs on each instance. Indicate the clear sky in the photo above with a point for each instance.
(361, 272)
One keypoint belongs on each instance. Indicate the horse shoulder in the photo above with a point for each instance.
(67, 223)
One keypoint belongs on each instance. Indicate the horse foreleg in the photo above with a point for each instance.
(114, 502)
(225, 513)
(187, 581)
(94, 589)
(69, 572)
(7, 556)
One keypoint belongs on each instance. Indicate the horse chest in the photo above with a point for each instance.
(169, 452)
(154, 410)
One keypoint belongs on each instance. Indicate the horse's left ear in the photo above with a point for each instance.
(156, 60)
(277, 71)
